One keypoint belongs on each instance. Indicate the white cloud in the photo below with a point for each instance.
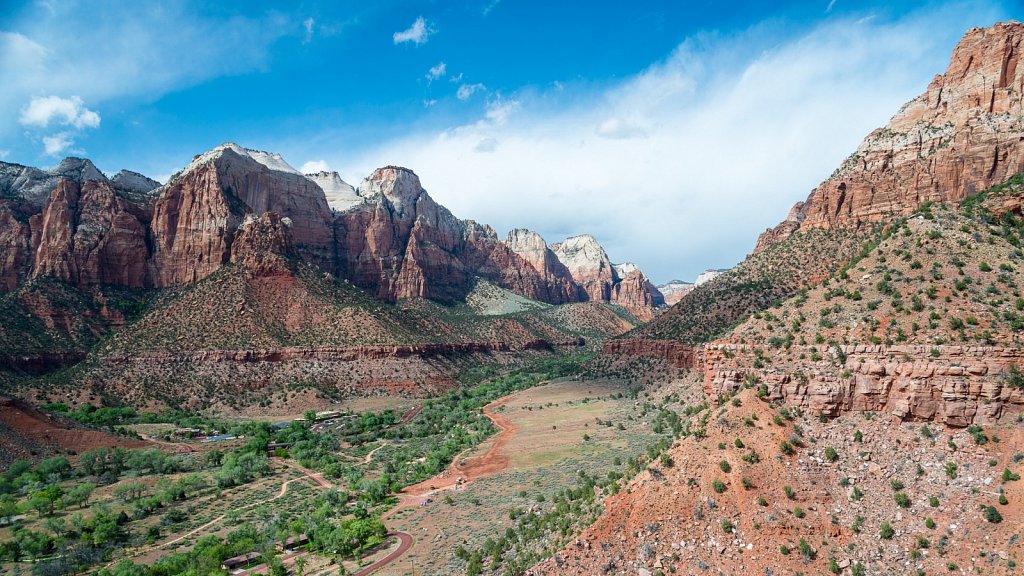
(307, 25)
(831, 5)
(64, 111)
(4, 154)
(486, 145)
(437, 71)
(417, 33)
(314, 166)
(120, 54)
(466, 91)
(500, 109)
(57, 143)
(618, 127)
(734, 130)
(490, 6)
(456, 78)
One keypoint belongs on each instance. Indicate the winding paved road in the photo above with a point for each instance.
(406, 542)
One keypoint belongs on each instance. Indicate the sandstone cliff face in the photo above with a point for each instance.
(589, 266)
(601, 281)
(88, 235)
(400, 243)
(956, 385)
(558, 281)
(15, 246)
(400, 240)
(197, 214)
(389, 237)
(340, 195)
(961, 136)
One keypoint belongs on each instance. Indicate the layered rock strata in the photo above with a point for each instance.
(959, 137)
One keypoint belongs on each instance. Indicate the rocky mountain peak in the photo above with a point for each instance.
(341, 195)
(583, 256)
(399, 185)
(133, 182)
(79, 170)
(529, 245)
(271, 160)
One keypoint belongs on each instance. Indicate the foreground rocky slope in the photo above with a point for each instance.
(750, 487)
(889, 298)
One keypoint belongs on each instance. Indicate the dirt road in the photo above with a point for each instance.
(493, 461)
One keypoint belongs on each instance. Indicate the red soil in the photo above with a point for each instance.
(29, 433)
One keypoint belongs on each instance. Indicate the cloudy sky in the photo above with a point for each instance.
(674, 132)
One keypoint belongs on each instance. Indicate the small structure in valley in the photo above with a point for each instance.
(240, 561)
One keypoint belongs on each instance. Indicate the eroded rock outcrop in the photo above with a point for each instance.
(957, 385)
(959, 137)
(264, 245)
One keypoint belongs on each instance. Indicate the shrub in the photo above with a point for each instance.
(1009, 476)
(902, 500)
(933, 501)
(724, 465)
(831, 455)
(806, 550)
(886, 531)
(951, 470)
(786, 448)
(798, 512)
(718, 486)
(929, 523)
(789, 492)
(727, 526)
(896, 484)
(993, 515)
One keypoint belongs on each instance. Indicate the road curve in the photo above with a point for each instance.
(403, 547)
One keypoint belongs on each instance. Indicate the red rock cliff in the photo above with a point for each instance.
(959, 137)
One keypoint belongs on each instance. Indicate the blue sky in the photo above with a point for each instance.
(674, 132)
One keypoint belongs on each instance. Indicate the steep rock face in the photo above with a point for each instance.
(15, 245)
(197, 214)
(263, 245)
(88, 235)
(558, 282)
(588, 264)
(400, 243)
(601, 281)
(389, 237)
(959, 137)
(637, 293)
